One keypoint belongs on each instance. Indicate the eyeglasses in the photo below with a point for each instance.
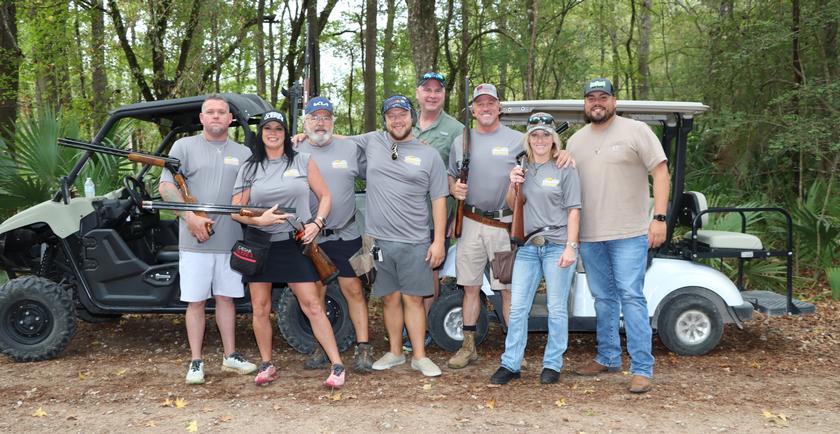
(433, 75)
(394, 154)
(541, 119)
(317, 119)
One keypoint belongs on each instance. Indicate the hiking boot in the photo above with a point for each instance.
(363, 358)
(426, 366)
(466, 354)
(549, 376)
(195, 373)
(267, 374)
(236, 363)
(592, 368)
(336, 378)
(317, 359)
(503, 376)
(388, 361)
(640, 384)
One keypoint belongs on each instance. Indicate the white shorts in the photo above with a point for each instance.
(208, 274)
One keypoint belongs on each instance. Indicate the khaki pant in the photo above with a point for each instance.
(476, 247)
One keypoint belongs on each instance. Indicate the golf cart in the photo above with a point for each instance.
(100, 257)
(688, 301)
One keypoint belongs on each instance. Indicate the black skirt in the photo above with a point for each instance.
(285, 264)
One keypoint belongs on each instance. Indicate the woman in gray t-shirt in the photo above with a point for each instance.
(277, 175)
(552, 218)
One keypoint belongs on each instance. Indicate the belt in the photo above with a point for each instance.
(485, 220)
(538, 240)
(328, 232)
(504, 212)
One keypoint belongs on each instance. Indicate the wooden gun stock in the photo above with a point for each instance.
(145, 159)
(182, 185)
(327, 271)
(459, 204)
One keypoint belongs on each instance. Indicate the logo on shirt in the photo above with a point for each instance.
(501, 151)
(411, 159)
(231, 161)
(550, 182)
(291, 173)
(339, 164)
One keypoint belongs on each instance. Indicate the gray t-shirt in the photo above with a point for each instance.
(340, 163)
(492, 156)
(210, 170)
(549, 193)
(273, 183)
(398, 191)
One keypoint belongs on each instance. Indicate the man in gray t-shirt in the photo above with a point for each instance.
(340, 162)
(402, 175)
(209, 162)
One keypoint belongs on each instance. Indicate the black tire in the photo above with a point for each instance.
(690, 325)
(37, 319)
(446, 321)
(88, 317)
(295, 328)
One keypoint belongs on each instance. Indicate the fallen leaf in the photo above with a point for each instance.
(335, 396)
(225, 418)
(192, 426)
(121, 372)
(778, 419)
(490, 403)
(755, 365)
(427, 386)
(560, 402)
(176, 321)
(82, 375)
(167, 403)
(180, 403)
(625, 373)
(151, 424)
(39, 412)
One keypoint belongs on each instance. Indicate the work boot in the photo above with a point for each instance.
(592, 368)
(640, 384)
(466, 354)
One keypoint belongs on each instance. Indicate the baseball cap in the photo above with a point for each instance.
(396, 101)
(598, 85)
(273, 116)
(431, 75)
(318, 103)
(484, 89)
(540, 121)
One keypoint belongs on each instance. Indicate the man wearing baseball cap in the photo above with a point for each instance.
(340, 162)
(614, 157)
(402, 174)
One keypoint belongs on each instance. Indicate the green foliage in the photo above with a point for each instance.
(816, 222)
(833, 274)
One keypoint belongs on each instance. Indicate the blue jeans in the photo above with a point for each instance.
(532, 262)
(615, 271)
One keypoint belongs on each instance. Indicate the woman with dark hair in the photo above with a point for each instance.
(552, 219)
(276, 175)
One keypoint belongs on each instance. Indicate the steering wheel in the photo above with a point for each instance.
(136, 190)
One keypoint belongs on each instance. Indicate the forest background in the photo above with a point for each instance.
(768, 69)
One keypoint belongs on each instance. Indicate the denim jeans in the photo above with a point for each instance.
(532, 263)
(615, 271)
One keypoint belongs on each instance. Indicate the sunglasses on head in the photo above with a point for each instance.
(433, 75)
(541, 119)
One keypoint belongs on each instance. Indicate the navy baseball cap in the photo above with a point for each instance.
(318, 103)
(598, 85)
(273, 116)
(396, 101)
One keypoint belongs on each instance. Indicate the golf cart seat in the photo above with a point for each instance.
(167, 254)
(695, 203)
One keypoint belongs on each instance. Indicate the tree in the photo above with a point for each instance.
(423, 35)
(10, 59)
(370, 65)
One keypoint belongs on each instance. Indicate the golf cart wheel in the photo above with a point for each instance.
(37, 319)
(446, 321)
(295, 328)
(690, 325)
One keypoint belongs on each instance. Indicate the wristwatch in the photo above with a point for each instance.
(573, 245)
(659, 217)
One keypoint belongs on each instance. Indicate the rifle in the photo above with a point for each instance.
(324, 266)
(464, 172)
(245, 211)
(517, 226)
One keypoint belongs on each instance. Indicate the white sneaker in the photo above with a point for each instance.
(236, 363)
(195, 373)
(426, 366)
(388, 361)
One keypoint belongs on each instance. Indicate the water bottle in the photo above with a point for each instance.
(90, 189)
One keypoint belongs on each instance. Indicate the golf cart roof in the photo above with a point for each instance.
(571, 110)
(174, 113)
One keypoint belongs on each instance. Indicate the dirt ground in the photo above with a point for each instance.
(775, 375)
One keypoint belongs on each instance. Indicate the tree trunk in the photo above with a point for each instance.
(644, 49)
(98, 77)
(797, 81)
(259, 47)
(388, 76)
(10, 58)
(628, 74)
(423, 35)
(830, 51)
(370, 66)
(533, 16)
(313, 32)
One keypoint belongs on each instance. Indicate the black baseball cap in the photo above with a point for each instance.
(598, 85)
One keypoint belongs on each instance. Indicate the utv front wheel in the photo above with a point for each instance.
(37, 319)
(295, 328)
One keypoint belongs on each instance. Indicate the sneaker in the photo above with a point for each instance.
(407, 342)
(195, 373)
(267, 374)
(336, 378)
(426, 366)
(236, 363)
(388, 361)
(363, 358)
(317, 359)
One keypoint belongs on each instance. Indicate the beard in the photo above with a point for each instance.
(319, 138)
(216, 130)
(608, 114)
(400, 135)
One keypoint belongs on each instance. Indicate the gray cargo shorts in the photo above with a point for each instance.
(403, 268)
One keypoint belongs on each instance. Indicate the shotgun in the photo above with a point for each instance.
(324, 266)
(245, 211)
(517, 226)
(464, 172)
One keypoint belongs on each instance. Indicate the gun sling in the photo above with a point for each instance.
(468, 213)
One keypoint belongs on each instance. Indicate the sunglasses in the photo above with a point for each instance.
(394, 154)
(541, 119)
(433, 75)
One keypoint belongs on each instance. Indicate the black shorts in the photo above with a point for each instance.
(285, 264)
(340, 251)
